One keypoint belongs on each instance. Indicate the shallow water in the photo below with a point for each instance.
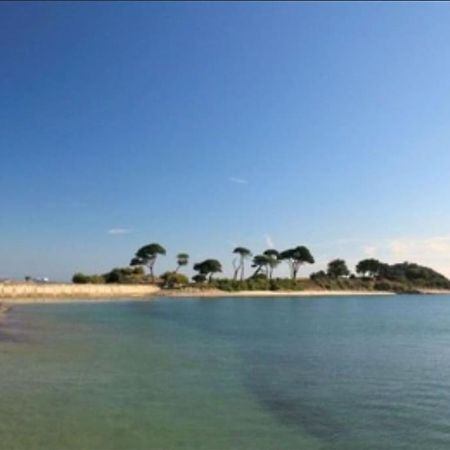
(348, 373)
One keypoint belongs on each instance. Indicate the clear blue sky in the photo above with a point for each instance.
(204, 125)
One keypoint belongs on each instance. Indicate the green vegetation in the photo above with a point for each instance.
(371, 274)
(413, 276)
(370, 268)
(174, 280)
(272, 260)
(182, 260)
(207, 267)
(244, 253)
(146, 256)
(375, 275)
(337, 268)
(296, 257)
(124, 275)
(261, 263)
(259, 283)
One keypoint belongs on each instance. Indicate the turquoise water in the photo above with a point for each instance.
(347, 373)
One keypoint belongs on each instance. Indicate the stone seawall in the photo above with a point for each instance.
(32, 290)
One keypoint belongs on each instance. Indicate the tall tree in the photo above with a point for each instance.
(296, 257)
(243, 253)
(337, 268)
(208, 267)
(260, 263)
(273, 260)
(370, 267)
(146, 256)
(182, 260)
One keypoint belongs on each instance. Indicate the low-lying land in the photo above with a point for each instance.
(214, 293)
(26, 292)
(23, 293)
(122, 283)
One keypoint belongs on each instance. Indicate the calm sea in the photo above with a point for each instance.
(349, 373)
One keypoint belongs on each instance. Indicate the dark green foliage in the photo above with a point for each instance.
(323, 281)
(146, 256)
(125, 275)
(199, 278)
(182, 260)
(243, 253)
(370, 268)
(261, 264)
(80, 278)
(259, 283)
(403, 277)
(337, 268)
(173, 280)
(296, 257)
(415, 276)
(273, 260)
(208, 267)
(97, 279)
(321, 274)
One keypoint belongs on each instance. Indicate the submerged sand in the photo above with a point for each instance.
(307, 293)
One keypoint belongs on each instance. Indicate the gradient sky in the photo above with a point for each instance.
(204, 126)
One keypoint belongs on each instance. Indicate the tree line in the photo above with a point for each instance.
(374, 273)
(263, 263)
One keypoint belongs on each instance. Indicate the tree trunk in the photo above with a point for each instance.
(295, 267)
(291, 267)
(256, 272)
(236, 269)
(151, 272)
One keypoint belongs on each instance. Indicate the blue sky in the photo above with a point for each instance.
(208, 125)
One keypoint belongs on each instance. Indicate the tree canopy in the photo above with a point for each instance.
(260, 263)
(272, 260)
(208, 267)
(296, 257)
(173, 280)
(337, 268)
(243, 253)
(182, 260)
(146, 256)
(370, 267)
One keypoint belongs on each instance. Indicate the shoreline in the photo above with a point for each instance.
(25, 293)
(214, 293)
(15, 293)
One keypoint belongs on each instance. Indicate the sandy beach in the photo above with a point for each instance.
(23, 293)
(65, 292)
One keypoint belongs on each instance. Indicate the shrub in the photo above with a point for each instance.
(395, 286)
(321, 274)
(80, 278)
(174, 280)
(226, 284)
(96, 279)
(199, 278)
(125, 275)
